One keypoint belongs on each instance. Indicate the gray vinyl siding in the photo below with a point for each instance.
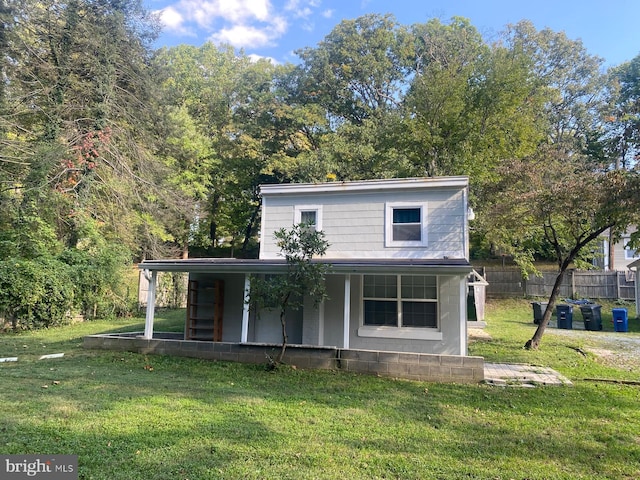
(620, 260)
(449, 323)
(354, 224)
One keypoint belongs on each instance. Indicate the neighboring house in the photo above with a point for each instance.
(399, 257)
(618, 256)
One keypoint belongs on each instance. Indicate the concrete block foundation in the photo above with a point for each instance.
(411, 366)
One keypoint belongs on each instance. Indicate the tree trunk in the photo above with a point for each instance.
(249, 230)
(534, 342)
(283, 323)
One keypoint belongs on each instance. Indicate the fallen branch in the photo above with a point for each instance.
(611, 380)
(579, 350)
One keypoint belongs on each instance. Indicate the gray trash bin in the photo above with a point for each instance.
(592, 317)
(538, 311)
(565, 316)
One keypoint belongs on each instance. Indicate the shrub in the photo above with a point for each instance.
(35, 293)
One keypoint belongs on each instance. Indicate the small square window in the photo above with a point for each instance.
(310, 215)
(407, 226)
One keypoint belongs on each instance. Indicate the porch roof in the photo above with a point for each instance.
(344, 266)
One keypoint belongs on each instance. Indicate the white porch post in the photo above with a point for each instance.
(464, 288)
(637, 284)
(245, 310)
(347, 311)
(151, 305)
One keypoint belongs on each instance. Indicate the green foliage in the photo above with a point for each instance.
(99, 270)
(35, 293)
(303, 278)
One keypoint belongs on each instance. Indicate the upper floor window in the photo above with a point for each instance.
(309, 215)
(405, 225)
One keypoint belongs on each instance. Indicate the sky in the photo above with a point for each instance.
(276, 28)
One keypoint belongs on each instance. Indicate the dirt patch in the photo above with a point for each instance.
(613, 349)
(478, 334)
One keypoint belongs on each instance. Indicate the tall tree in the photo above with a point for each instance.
(470, 104)
(359, 69)
(78, 94)
(624, 121)
(561, 198)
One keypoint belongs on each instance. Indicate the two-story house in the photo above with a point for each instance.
(397, 286)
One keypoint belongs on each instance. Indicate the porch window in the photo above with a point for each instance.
(400, 301)
(405, 225)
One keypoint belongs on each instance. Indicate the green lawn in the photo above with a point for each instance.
(130, 417)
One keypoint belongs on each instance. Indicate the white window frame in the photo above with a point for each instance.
(388, 224)
(629, 254)
(398, 331)
(297, 214)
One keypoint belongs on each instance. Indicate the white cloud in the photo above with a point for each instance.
(240, 23)
(328, 13)
(171, 18)
(242, 36)
(206, 13)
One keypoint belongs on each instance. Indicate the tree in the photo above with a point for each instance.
(358, 70)
(558, 196)
(303, 277)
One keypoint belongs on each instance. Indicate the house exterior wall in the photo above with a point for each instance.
(622, 256)
(451, 326)
(264, 328)
(334, 311)
(354, 223)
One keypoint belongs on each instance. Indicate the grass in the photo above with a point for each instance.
(129, 416)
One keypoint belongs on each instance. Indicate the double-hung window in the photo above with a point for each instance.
(405, 225)
(402, 301)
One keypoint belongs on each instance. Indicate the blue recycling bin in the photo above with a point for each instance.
(620, 320)
(564, 314)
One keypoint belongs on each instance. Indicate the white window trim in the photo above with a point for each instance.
(403, 333)
(629, 254)
(388, 224)
(297, 214)
(408, 333)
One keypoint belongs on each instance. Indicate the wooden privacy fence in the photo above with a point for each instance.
(576, 284)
